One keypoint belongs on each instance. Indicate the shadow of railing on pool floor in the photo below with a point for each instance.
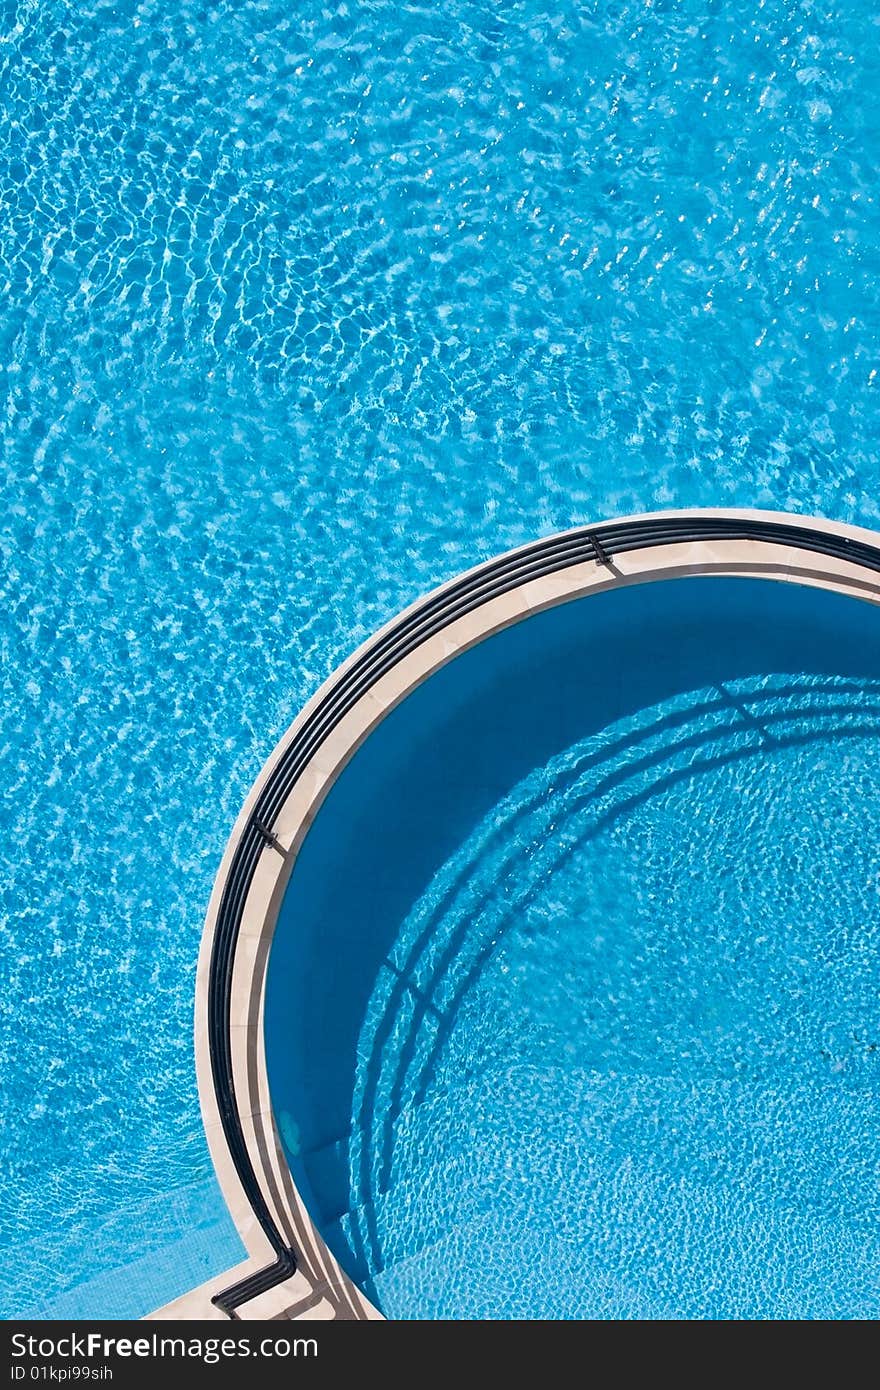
(372, 1140)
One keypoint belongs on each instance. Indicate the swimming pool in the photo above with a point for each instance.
(571, 1001)
(303, 314)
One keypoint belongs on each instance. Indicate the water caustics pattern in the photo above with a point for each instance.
(304, 308)
(622, 1060)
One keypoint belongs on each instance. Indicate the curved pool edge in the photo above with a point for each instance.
(252, 1171)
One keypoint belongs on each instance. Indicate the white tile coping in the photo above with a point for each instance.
(320, 1288)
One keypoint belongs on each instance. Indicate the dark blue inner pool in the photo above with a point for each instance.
(572, 1003)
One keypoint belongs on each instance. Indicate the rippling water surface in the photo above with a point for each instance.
(303, 309)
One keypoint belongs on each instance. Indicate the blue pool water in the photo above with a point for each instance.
(305, 308)
(603, 1036)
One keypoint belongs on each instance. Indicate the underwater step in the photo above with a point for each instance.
(609, 1194)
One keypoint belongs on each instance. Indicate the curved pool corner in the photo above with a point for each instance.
(291, 1270)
